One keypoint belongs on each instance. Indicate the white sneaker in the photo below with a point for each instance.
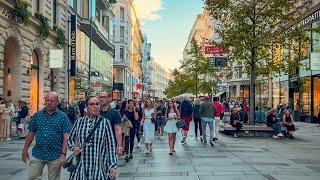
(280, 135)
(161, 137)
(275, 137)
(235, 135)
(8, 139)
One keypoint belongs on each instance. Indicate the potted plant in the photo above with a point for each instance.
(60, 39)
(20, 12)
(44, 28)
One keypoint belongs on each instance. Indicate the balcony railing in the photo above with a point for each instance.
(102, 29)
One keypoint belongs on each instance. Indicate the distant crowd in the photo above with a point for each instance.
(100, 129)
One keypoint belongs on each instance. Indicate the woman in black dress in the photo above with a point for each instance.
(287, 121)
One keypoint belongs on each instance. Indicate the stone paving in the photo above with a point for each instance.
(241, 158)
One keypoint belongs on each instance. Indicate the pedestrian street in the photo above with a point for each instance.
(231, 158)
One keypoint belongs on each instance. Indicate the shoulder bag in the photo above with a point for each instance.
(73, 160)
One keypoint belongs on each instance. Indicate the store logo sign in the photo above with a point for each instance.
(56, 58)
(73, 45)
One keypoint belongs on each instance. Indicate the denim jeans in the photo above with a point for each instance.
(197, 125)
(276, 127)
(204, 122)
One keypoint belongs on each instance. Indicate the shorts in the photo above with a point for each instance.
(188, 120)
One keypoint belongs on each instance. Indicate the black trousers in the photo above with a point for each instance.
(197, 124)
(238, 126)
(129, 141)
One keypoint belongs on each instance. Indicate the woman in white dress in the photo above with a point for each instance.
(171, 117)
(148, 125)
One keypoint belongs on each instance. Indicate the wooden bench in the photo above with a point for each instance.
(250, 130)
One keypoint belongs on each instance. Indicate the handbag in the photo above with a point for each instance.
(73, 160)
(181, 123)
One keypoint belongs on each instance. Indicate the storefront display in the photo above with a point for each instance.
(316, 96)
(275, 94)
(306, 95)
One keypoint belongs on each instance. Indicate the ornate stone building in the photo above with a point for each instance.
(24, 56)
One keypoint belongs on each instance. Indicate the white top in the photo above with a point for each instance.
(148, 114)
(172, 115)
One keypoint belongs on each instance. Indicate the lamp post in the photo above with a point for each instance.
(90, 14)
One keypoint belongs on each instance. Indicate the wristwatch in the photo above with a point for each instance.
(120, 148)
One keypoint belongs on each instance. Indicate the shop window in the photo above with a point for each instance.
(275, 94)
(305, 48)
(306, 94)
(315, 39)
(284, 92)
(316, 96)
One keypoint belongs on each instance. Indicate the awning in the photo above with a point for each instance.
(219, 94)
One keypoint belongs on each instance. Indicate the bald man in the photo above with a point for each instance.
(51, 127)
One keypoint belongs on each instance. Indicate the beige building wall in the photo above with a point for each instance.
(202, 31)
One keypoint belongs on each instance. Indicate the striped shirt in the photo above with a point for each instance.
(99, 154)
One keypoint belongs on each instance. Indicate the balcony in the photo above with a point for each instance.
(102, 29)
(103, 4)
(99, 34)
(121, 64)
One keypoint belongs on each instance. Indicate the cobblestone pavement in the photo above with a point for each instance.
(241, 158)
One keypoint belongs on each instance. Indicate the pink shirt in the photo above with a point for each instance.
(218, 107)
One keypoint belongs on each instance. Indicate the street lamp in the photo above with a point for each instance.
(90, 14)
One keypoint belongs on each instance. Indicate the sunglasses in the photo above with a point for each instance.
(92, 104)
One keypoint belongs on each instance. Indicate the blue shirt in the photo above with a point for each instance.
(186, 108)
(49, 131)
(113, 116)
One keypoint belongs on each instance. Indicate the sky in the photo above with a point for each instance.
(167, 24)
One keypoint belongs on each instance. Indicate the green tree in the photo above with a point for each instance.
(251, 28)
(197, 68)
(179, 85)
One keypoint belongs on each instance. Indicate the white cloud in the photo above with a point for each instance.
(148, 10)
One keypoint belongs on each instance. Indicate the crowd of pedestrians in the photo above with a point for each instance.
(99, 130)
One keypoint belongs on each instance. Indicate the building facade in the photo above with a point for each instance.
(202, 31)
(159, 80)
(24, 56)
(146, 65)
(98, 37)
(128, 44)
(301, 89)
